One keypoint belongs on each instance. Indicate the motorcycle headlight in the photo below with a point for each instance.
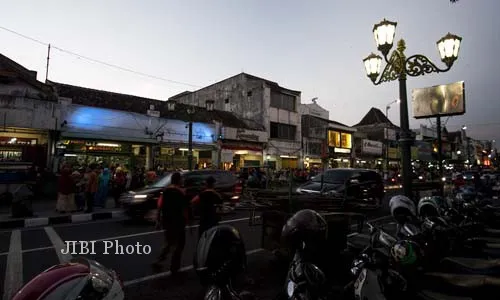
(290, 288)
(299, 190)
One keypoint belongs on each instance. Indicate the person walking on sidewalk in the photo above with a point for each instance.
(173, 206)
(66, 192)
(90, 188)
(207, 202)
(102, 188)
(119, 182)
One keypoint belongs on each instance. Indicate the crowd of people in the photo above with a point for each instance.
(86, 187)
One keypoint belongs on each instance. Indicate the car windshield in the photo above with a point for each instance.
(162, 182)
(333, 176)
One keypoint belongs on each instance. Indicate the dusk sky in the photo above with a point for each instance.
(315, 47)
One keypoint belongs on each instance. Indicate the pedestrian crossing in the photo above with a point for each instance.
(24, 253)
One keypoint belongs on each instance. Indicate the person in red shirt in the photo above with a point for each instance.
(173, 206)
(208, 201)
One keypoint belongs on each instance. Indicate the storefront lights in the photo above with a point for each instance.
(108, 145)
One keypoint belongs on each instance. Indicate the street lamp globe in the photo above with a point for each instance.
(384, 33)
(372, 66)
(171, 105)
(448, 47)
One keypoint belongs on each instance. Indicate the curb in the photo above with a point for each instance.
(65, 219)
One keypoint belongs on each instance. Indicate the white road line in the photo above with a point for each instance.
(168, 273)
(58, 245)
(124, 236)
(14, 271)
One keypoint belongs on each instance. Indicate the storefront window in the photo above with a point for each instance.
(346, 139)
(333, 138)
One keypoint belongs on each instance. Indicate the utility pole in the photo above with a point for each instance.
(47, 68)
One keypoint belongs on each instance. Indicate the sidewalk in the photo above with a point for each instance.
(45, 214)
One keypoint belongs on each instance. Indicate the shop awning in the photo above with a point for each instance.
(240, 145)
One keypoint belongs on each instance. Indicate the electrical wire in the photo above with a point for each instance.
(110, 65)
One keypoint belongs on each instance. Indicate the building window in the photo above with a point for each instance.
(226, 101)
(283, 101)
(314, 148)
(339, 139)
(283, 131)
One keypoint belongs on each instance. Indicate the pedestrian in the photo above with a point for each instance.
(90, 188)
(173, 208)
(66, 192)
(207, 202)
(119, 183)
(102, 188)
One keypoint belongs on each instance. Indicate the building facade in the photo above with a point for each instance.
(29, 116)
(314, 123)
(259, 103)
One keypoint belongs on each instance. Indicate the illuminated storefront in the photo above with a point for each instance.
(23, 145)
(106, 153)
(242, 148)
(339, 148)
(369, 154)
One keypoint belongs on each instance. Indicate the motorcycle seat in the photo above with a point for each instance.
(462, 281)
(471, 265)
(430, 295)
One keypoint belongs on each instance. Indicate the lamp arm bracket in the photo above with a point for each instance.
(419, 65)
(392, 69)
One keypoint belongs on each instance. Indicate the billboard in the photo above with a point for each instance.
(440, 100)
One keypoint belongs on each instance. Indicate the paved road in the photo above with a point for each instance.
(27, 252)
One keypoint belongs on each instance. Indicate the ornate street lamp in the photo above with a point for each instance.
(398, 67)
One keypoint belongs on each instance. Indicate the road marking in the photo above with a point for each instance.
(122, 236)
(14, 271)
(33, 222)
(58, 245)
(168, 273)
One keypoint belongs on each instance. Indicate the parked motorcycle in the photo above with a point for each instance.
(81, 278)
(399, 272)
(306, 234)
(220, 257)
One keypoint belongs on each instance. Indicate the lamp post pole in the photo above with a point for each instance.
(190, 112)
(190, 146)
(398, 67)
(440, 150)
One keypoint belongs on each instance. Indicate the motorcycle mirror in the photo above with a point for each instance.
(410, 230)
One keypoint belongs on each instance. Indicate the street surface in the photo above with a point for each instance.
(26, 252)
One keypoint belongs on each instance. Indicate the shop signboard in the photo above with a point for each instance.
(393, 153)
(371, 147)
(240, 134)
(424, 150)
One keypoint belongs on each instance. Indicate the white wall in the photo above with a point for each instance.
(28, 113)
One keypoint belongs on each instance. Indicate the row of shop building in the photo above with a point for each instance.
(242, 121)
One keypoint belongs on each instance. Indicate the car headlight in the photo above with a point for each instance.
(290, 288)
(140, 198)
(298, 190)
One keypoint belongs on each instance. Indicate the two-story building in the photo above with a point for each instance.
(126, 129)
(258, 102)
(29, 115)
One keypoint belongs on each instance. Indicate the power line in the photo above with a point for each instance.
(99, 61)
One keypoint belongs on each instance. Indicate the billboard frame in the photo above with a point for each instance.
(444, 114)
